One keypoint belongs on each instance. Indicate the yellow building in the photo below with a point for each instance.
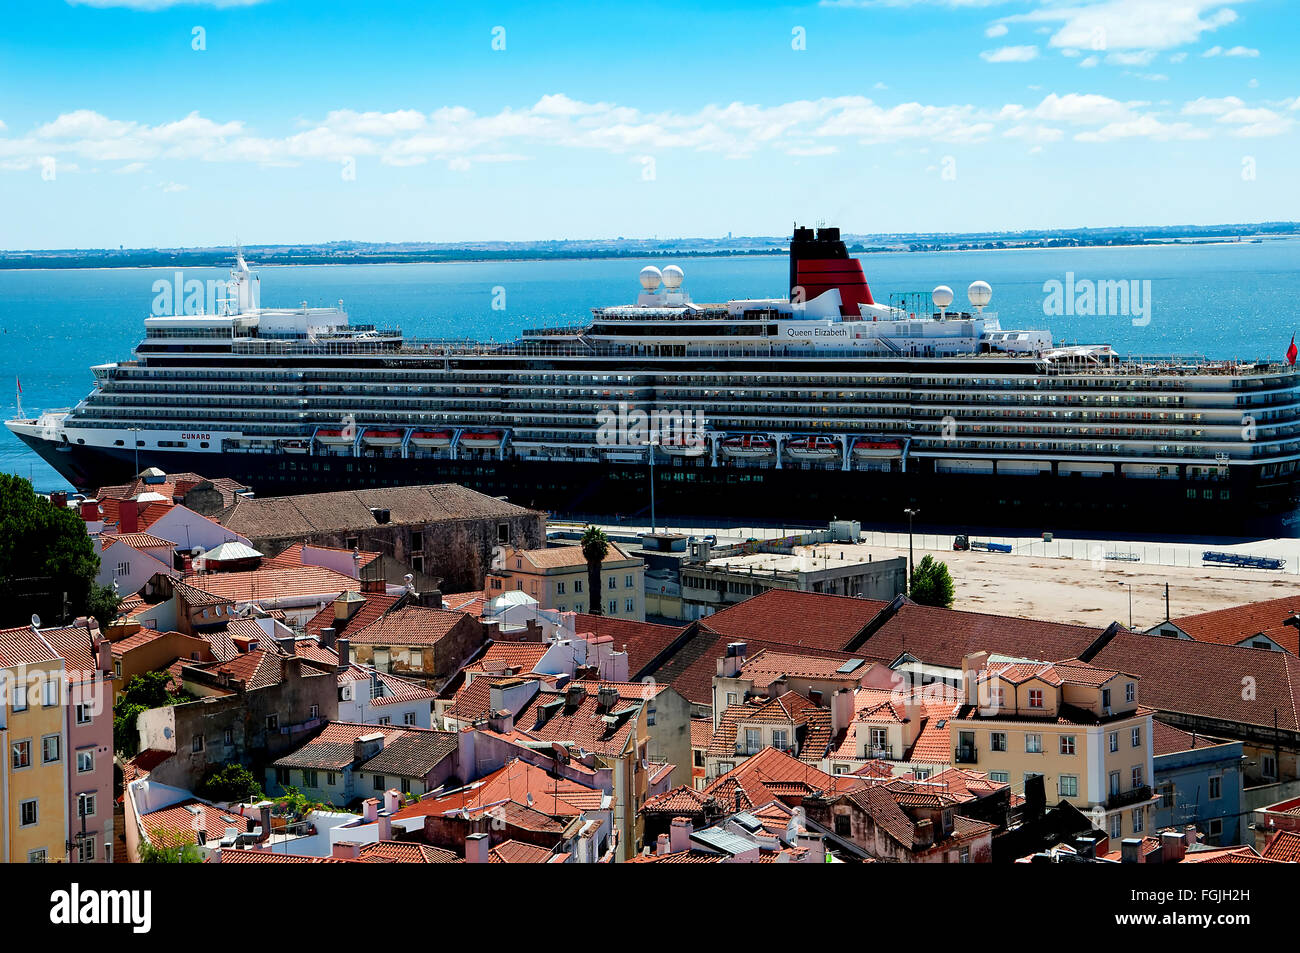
(557, 578)
(1077, 726)
(34, 782)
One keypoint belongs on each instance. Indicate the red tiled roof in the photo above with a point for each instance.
(756, 780)
(137, 540)
(1239, 623)
(769, 665)
(583, 724)
(135, 640)
(407, 852)
(793, 618)
(232, 855)
(681, 800)
(256, 669)
(175, 825)
(139, 767)
(111, 512)
(22, 646)
(1285, 846)
(566, 556)
(471, 602)
(1166, 739)
(396, 689)
(810, 726)
(409, 625)
(701, 732)
(376, 604)
(644, 641)
(1205, 679)
(274, 583)
(521, 656)
(518, 852)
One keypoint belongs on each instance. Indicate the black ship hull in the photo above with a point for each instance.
(698, 495)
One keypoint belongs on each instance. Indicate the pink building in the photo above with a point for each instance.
(88, 663)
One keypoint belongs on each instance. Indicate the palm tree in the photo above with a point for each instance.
(595, 546)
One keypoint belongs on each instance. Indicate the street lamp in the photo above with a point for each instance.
(911, 560)
(1130, 603)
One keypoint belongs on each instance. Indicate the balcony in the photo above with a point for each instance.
(965, 754)
(1132, 796)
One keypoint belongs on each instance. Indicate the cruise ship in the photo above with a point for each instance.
(822, 403)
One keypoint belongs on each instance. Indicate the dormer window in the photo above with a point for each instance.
(1130, 691)
(1035, 698)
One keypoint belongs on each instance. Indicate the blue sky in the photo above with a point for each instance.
(312, 120)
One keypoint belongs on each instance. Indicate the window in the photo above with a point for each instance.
(1130, 691)
(1068, 785)
(627, 581)
(503, 532)
(1167, 793)
(408, 718)
(1035, 698)
(20, 696)
(331, 778)
(630, 605)
(731, 699)
(1105, 698)
(28, 813)
(417, 563)
(1137, 820)
(83, 714)
(86, 850)
(228, 738)
(1000, 777)
(963, 856)
(1113, 781)
(123, 569)
(1034, 744)
(613, 607)
(559, 588)
(313, 712)
(1114, 741)
(613, 582)
(38, 856)
(309, 777)
(725, 766)
(1216, 787)
(386, 720)
(577, 585)
(350, 543)
(1268, 764)
(51, 749)
(379, 784)
(87, 805)
(753, 740)
(780, 739)
(49, 693)
(1067, 744)
(578, 606)
(879, 739)
(1137, 737)
(196, 743)
(417, 540)
(1116, 827)
(22, 757)
(273, 722)
(1215, 827)
(1137, 775)
(85, 761)
(843, 825)
(997, 741)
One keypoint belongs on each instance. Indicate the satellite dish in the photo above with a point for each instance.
(36, 621)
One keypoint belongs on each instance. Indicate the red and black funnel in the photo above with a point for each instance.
(819, 261)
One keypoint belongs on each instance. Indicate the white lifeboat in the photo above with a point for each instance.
(870, 447)
(382, 438)
(431, 439)
(481, 439)
(813, 448)
(335, 437)
(747, 446)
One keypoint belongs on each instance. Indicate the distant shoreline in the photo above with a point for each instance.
(269, 258)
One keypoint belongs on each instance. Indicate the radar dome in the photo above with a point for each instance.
(942, 297)
(650, 278)
(673, 277)
(979, 293)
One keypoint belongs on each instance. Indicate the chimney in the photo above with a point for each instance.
(90, 511)
(288, 645)
(841, 711)
(924, 835)
(1131, 850)
(1173, 847)
(104, 655)
(347, 604)
(367, 746)
(574, 695)
(501, 720)
(370, 810)
(325, 638)
(345, 850)
(392, 800)
(476, 848)
(197, 823)
(385, 824)
(1085, 847)
(661, 845)
(729, 665)
(607, 697)
(264, 818)
(971, 666)
(59, 500)
(431, 599)
(128, 516)
(344, 649)
(679, 836)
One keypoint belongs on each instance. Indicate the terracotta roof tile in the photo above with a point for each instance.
(1284, 846)
(644, 641)
(518, 852)
(1240, 623)
(793, 618)
(275, 583)
(409, 625)
(375, 606)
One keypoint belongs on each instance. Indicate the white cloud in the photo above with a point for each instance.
(1010, 54)
(1178, 57)
(1089, 62)
(996, 30)
(1129, 24)
(1210, 106)
(174, 187)
(1144, 127)
(1135, 58)
(1035, 133)
(131, 168)
(1241, 51)
(1083, 108)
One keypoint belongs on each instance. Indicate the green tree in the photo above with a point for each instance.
(932, 584)
(230, 782)
(48, 563)
(170, 850)
(102, 604)
(595, 546)
(142, 693)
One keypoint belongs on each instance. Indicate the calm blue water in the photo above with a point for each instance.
(1235, 300)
